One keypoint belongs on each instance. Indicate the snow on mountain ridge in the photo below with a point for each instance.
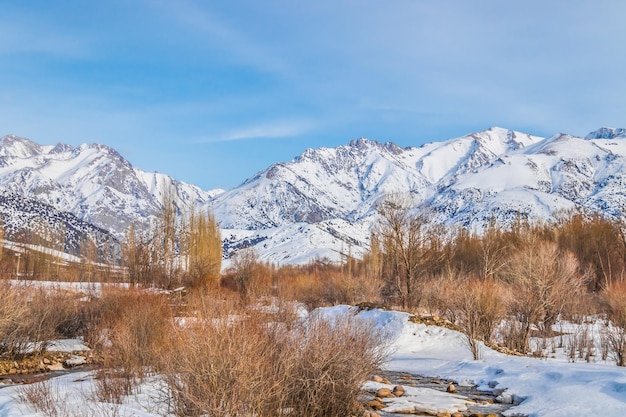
(346, 181)
(92, 181)
(323, 202)
(607, 133)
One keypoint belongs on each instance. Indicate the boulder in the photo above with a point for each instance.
(75, 360)
(385, 393)
(375, 404)
(398, 391)
(55, 366)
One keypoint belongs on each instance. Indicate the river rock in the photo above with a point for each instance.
(505, 398)
(55, 366)
(398, 391)
(375, 404)
(75, 360)
(384, 393)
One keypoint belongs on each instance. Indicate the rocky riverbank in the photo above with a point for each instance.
(397, 393)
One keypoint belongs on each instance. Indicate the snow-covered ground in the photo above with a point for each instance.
(550, 387)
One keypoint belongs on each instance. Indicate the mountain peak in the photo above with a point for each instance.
(363, 144)
(18, 147)
(607, 133)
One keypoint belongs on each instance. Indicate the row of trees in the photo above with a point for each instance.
(177, 249)
(528, 275)
(407, 249)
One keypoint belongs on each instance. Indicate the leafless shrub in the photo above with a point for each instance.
(580, 344)
(616, 340)
(605, 346)
(615, 332)
(226, 363)
(45, 399)
(138, 335)
(13, 309)
(479, 306)
(327, 382)
(514, 335)
(543, 281)
(223, 368)
(110, 386)
(30, 318)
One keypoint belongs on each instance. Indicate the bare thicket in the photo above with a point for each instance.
(544, 281)
(246, 271)
(480, 306)
(225, 364)
(31, 317)
(13, 309)
(138, 327)
(45, 398)
(615, 332)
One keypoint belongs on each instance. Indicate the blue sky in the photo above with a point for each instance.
(212, 92)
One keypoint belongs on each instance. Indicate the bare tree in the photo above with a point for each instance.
(409, 247)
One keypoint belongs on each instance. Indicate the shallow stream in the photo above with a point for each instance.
(483, 403)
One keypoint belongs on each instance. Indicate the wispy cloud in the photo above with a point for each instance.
(213, 29)
(275, 130)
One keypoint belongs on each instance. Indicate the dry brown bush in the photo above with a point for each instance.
(544, 280)
(327, 381)
(30, 317)
(321, 284)
(481, 306)
(599, 245)
(228, 362)
(13, 310)
(615, 335)
(138, 327)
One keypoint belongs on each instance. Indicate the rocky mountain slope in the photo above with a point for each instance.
(322, 203)
(28, 220)
(93, 182)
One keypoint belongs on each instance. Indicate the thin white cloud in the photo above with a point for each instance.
(276, 130)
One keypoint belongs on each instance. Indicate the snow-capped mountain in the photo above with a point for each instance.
(347, 181)
(323, 202)
(333, 192)
(495, 174)
(93, 182)
(560, 173)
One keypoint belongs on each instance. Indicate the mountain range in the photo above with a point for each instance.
(322, 204)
